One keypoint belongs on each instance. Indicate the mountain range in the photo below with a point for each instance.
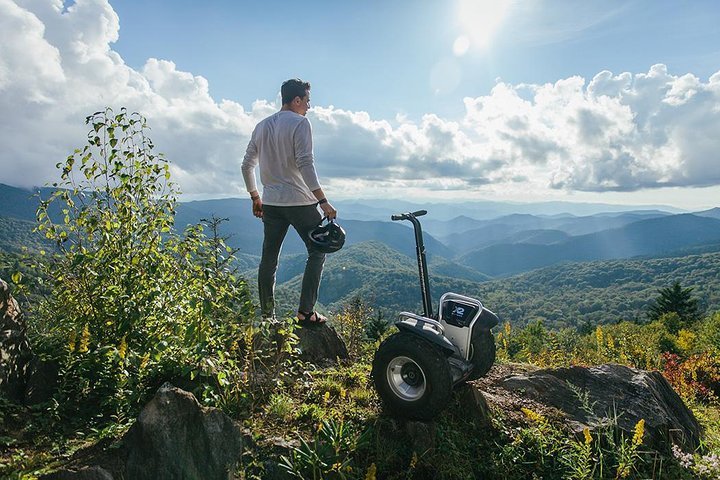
(491, 246)
(561, 267)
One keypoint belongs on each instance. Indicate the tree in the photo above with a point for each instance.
(132, 301)
(677, 300)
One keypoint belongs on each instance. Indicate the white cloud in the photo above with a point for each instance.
(615, 132)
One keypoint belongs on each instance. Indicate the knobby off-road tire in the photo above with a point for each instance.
(482, 354)
(412, 377)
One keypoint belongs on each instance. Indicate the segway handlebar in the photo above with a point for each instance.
(408, 216)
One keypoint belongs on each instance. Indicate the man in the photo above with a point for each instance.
(282, 145)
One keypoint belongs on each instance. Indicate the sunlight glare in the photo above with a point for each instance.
(482, 18)
(461, 45)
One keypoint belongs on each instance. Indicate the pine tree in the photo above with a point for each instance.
(677, 300)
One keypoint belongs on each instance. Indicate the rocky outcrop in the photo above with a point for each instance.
(15, 353)
(592, 396)
(176, 438)
(320, 344)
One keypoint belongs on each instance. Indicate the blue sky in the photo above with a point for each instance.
(379, 56)
(608, 101)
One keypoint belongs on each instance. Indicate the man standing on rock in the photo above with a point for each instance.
(282, 145)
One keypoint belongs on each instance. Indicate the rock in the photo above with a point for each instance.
(15, 353)
(472, 403)
(88, 473)
(320, 344)
(42, 381)
(176, 438)
(422, 435)
(589, 396)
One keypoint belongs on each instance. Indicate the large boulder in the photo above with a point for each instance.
(591, 396)
(176, 438)
(321, 344)
(15, 353)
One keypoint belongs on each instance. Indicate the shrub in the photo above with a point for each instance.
(132, 302)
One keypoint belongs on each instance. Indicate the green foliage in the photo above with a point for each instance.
(352, 324)
(376, 327)
(132, 302)
(330, 455)
(677, 300)
(709, 335)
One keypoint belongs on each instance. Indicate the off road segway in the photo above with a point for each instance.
(416, 368)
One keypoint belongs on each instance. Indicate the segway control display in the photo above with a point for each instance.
(458, 314)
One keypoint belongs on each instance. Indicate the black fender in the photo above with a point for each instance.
(438, 340)
(485, 322)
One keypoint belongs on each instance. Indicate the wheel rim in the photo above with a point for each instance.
(406, 378)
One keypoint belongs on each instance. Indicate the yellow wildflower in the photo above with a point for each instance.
(122, 349)
(610, 342)
(599, 337)
(371, 473)
(588, 437)
(686, 340)
(144, 361)
(343, 393)
(71, 343)
(639, 432)
(326, 397)
(84, 340)
(534, 416)
(413, 461)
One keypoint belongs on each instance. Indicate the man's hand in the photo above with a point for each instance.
(257, 208)
(328, 210)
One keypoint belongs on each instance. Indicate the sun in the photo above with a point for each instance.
(480, 20)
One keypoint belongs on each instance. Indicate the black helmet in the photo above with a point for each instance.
(329, 238)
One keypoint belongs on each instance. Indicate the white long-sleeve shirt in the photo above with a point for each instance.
(282, 145)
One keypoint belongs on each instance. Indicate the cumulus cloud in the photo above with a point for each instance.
(614, 132)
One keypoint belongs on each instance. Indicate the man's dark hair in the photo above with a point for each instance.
(293, 88)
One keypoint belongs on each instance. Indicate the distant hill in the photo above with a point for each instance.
(377, 273)
(17, 203)
(246, 231)
(712, 213)
(569, 294)
(647, 237)
(16, 234)
(573, 294)
(505, 230)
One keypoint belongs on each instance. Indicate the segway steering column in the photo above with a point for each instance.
(422, 262)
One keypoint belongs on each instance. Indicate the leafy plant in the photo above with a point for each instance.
(132, 302)
(329, 455)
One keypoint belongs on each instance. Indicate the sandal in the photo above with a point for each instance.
(311, 318)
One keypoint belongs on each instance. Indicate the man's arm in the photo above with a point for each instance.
(248, 172)
(304, 159)
(326, 207)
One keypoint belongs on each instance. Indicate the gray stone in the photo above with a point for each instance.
(422, 435)
(471, 402)
(320, 344)
(15, 353)
(88, 473)
(591, 396)
(176, 438)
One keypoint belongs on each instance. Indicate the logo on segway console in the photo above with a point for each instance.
(458, 314)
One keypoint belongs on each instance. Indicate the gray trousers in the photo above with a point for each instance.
(276, 221)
